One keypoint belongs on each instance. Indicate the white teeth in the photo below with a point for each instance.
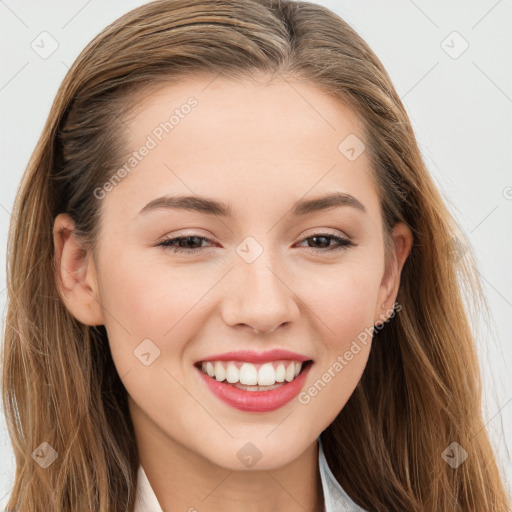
(256, 388)
(266, 375)
(210, 369)
(280, 373)
(290, 372)
(232, 373)
(247, 374)
(220, 372)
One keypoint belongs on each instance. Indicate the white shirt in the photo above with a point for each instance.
(335, 498)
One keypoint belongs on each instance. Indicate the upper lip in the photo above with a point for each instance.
(256, 357)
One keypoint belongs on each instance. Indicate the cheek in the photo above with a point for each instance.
(343, 300)
(343, 297)
(147, 294)
(144, 301)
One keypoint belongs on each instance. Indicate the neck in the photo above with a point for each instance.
(184, 480)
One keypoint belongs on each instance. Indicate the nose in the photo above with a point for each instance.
(260, 298)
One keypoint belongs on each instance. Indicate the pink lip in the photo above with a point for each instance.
(256, 401)
(252, 356)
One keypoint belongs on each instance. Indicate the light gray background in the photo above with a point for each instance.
(460, 108)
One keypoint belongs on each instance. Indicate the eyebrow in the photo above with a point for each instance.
(218, 208)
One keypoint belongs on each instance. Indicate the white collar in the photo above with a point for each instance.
(335, 498)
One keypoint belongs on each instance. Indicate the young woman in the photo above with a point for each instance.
(232, 281)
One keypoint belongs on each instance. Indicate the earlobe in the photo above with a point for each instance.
(403, 240)
(75, 274)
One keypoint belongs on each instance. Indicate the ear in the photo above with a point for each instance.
(76, 273)
(402, 244)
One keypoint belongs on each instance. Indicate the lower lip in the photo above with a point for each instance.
(256, 401)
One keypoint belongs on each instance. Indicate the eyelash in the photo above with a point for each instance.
(343, 243)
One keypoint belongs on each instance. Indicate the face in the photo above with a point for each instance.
(181, 284)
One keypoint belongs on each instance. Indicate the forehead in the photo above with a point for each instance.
(283, 112)
(278, 139)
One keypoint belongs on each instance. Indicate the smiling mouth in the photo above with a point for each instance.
(253, 377)
(263, 393)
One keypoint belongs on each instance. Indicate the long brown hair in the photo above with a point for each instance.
(421, 389)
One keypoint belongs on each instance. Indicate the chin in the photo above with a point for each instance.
(257, 453)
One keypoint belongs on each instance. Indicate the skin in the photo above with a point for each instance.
(258, 145)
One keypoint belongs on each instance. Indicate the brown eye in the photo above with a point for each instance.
(193, 244)
(324, 239)
(183, 243)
